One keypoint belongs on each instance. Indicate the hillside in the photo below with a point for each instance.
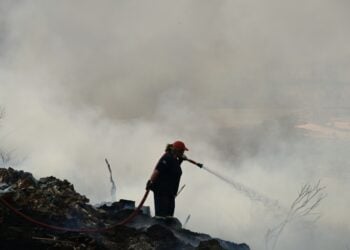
(49, 214)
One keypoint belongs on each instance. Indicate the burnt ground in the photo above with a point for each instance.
(51, 201)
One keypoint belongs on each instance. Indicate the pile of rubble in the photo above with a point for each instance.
(51, 201)
(49, 197)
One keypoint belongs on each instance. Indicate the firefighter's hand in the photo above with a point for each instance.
(149, 185)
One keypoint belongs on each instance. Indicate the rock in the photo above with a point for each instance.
(169, 222)
(210, 245)
(140, 243)
(159, 232)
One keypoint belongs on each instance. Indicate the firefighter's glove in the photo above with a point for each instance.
(149, 185)
(200, 165)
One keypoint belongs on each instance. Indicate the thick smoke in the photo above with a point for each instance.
(257, 89)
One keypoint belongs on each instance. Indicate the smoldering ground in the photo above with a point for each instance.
(83, 81)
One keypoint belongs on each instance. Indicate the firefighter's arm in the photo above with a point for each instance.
(152, 179)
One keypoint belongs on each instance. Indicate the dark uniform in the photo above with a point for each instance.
(166, 185)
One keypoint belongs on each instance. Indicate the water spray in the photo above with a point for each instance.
(248, 192)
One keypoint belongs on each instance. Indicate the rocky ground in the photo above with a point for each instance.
(53, 202)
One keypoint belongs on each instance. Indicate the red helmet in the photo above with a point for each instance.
(180, 146)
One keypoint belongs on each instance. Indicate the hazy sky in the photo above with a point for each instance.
(85, 80)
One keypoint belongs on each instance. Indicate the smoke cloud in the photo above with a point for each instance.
(257, 90)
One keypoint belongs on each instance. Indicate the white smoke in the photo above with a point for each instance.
(83, 81)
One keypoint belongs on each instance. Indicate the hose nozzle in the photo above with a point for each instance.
(200, 165)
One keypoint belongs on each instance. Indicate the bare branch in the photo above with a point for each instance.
(186, 221)
(5, 156)
(183, 186)
(2, 112)
(308, 199)
(113, 188)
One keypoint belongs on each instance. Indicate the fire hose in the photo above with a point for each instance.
(84, 230)
(80, 230)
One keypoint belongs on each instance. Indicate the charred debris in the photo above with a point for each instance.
(38, 207)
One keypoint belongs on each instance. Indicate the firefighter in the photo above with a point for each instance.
(165, 179)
